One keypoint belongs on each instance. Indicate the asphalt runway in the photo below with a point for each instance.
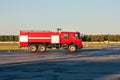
(85, 64)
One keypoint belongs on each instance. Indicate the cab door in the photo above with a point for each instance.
(65, 37)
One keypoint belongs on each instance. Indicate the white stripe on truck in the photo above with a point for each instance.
(39, 37)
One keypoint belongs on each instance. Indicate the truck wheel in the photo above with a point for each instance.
(32, 48)
(72, 48)
(41, 48)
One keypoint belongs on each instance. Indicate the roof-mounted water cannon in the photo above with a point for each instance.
(59, 29)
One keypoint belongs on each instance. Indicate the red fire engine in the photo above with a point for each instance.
(42, 40)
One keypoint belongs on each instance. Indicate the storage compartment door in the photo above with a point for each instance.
(55, 39)
(23, 40)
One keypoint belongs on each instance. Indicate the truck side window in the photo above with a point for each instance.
(76, 35)
(66, 35)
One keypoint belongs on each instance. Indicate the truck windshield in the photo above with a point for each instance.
(77, 35)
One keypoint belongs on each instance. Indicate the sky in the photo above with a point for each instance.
(85, 16)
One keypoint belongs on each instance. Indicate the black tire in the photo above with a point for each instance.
(41, 48)
(32, 48)
(72, 48)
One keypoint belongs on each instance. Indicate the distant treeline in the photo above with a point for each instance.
(88, 38)
(4, 38)
(100, 38)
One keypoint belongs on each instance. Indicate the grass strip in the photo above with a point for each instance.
(15, 46)
(11, 46)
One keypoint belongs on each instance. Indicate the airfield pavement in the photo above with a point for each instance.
(85, 64)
